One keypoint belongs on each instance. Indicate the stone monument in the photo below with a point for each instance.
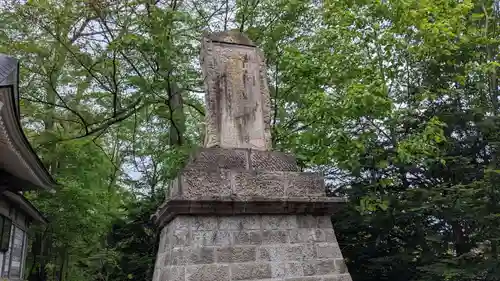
(237, 210)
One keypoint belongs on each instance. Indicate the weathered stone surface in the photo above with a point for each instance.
(196, 183)
(299, 184)
(213, 158)
(175, 187)
(248, 205)
(284, 252)
(307, 221)
(247, 237)
(192, 255)
(340, 266)
(324, 222)
(249, 271)
(272, 161)
(309, 278)
(175, 238)
(249, 247)
(279, 222)
(236, 254)
(229, 174)
(328, 250)
(274, 236)
(218, 158)
(294, 269)
(207, 272)
(258, 184)
(321, 267)
(307, 235)
(173, 273)
(211, 238)
(339, 277)
(239, 223)
(237, 95)
(204, 223)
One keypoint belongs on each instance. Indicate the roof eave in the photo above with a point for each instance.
(9, 77)
(26, 206)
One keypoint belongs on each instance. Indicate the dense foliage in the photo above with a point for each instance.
(396, 101)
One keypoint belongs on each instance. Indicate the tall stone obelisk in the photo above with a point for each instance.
(238, 211)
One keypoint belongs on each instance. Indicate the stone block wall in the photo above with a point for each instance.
(250, 247)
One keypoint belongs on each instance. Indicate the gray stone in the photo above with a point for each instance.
(300, 252)
(286, 252)
(309, 278)
(173, 273)
(279, 222)
(203, 238)
(322, 267)
(283, 246)
(307, 235)
(180, 223)
(306, 221)
(236, 254)
(339, 277)
(223, 238)
(329, 235)
(202, 255)
(272, 161)
(250, 271)
(340, 266)
(247, 238)
(274, 236)
(199, 183)
(272, 253)
(160, 260)
(177, 238)
(278, 270)
(294, 269)
(156, 274)
(167, 258)
(259, 184)
(204, 223)
(245, 205)
(239, 223)
(210, 272)
(328, 250)
(325, 222)
(180, 256)
(189, 255)
(175, 187)
(163, 239)
(300, 184)
(218, 158)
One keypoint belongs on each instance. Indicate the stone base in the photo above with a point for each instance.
(249, 247)
(223, 206)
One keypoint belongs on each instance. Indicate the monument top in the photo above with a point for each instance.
(237, 95)
(231, 37)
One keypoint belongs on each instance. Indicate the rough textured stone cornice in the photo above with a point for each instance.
(316, 206)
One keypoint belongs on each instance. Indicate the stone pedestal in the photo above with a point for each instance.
(242, 214)
(238, 211)
(250, 247)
